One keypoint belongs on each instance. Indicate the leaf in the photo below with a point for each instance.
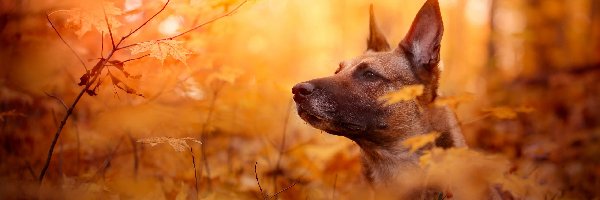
(178, 144)
(121, 67)
(85, 78)
(121, 85)
(505, 112)
(408, 92)
(92, 16)
(453, 101)
(160, 49)
(416, 142)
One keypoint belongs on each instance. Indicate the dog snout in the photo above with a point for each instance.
(303, 89)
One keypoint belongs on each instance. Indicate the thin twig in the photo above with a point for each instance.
(58, 99)
(282, 145)
(102, 44)
(482, 117)
(208, 22)
(285, 189)
(112, 40)
(334, 184)
(193, 28)
(143, 24)
(109, 159)
(265, 196)
(195, 170)
(132, 59)
(203, 134)
(30, 169)
(63, 40)
(135, 155)
(67, 115)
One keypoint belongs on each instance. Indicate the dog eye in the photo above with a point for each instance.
(369, 74)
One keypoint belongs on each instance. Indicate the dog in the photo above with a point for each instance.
(347, 103)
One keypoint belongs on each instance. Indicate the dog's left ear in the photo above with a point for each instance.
(376, 41)
(422, 46)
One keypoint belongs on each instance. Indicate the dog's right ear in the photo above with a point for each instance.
(376, 41)
(422, 47)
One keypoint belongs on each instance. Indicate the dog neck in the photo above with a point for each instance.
(381, 164)
(384, 160)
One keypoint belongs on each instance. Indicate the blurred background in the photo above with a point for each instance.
(234, 93)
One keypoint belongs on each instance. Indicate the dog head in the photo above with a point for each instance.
(347, 103)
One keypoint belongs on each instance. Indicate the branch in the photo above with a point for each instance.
(284, 189)
(194, 28)
(63, 40)
(209, 21)
(132, 59)
(144, 24)
(108, 160)
(112, 40)
(282, 145)
(203, 134)
(265, 196)
(102, 63)
(58, 99)
(195, 170)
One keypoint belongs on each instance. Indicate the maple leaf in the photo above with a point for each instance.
(121, 85)
(416, 142)
(505, 112)
(408, 92)
(453, 101)
(92, 15)
(160, 49)
(178, 144)
(120, 65)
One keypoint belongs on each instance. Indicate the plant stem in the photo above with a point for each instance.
(101, 62)
(195, 171)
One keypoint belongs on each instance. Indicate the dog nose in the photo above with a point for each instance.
(303, 89)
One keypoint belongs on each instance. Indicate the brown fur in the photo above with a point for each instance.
(347, 103)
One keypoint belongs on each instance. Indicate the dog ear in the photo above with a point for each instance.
(422, 46)
(376, 41)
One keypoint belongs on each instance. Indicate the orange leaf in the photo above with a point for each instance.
(505, 112)
(92, 16)
(178, 144)
(453, 101)
(408, 92)
(416, 142)
(160, 49)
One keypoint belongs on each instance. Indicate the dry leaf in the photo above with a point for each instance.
(160, 49)
(416, 142)
(505, 112)
(453, 101)
(92, 16)
(178, 144)
(408, 92)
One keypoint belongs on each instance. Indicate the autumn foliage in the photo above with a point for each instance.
(191, 99)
